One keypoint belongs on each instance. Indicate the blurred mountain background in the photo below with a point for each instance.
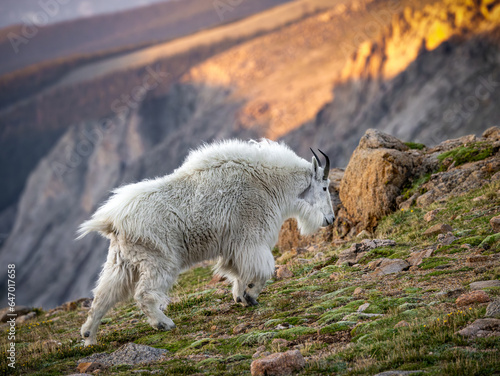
(98, 94)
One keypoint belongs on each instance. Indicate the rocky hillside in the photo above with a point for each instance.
(295, 71)
(417, 294)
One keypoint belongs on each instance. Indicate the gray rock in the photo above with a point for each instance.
(417, 257)
(482, 328)
(129, 354)
(484, 284)
(450, 293)
(19, 310)
(446, 239)
(357, 250)
(440, 228)
(493, 309)
(384, 266)
(363, 307)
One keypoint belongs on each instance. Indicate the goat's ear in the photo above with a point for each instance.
(315, 166)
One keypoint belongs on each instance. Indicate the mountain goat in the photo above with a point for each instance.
(227, 202)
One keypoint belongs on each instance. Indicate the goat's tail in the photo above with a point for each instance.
(94, 224)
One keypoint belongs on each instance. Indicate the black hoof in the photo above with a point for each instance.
(164, 326)
(238, 300)
(86, 334)
(250, 300)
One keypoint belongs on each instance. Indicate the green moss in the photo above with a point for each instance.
(295, 332)
(415, 145)
(465, 154)
(432, 262)
(490, 240)
(337, 327)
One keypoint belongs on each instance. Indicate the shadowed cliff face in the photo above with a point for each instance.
(287, 83)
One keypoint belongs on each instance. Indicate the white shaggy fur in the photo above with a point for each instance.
(227, 202)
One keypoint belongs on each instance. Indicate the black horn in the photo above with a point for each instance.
(315, 156)
(327, 166)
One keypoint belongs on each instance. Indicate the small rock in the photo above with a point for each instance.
(259, 351)
(334, 276)
(472, 297)
(279, 342)
(129, 354)
(495, 223)
(241, 328)
(482, 328)
(357, 250)
(90, 367)
(319, 256)
(358, 291)
(466, 246)
(446, 239)
(25, 318)
(302, 260)
(278, 364)
(450, 293)
(417, 257)
(439, 228)
(402, 324)
(431, 215)
(474, 259)
(364, 235)
(283, 326)
(69, 306)
(384, 266)
(363, 307)
(283, 272)
(493, 309)
(484, 284)
(19, 310)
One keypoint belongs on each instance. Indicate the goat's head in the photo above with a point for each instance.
(316, 203)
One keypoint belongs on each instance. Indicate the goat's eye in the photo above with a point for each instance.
(324, 188)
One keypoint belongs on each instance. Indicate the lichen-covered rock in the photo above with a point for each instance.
(482, 328)
(417, 257)
(440, 228)
(283, 272)
(384, 266)
(495, 223)
(278, 364)
(493, 309)
(378, 169)
(484, 284)
(129, 354)
(471, 298)
(357, 250)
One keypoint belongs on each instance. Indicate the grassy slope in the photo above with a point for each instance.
(316, 301)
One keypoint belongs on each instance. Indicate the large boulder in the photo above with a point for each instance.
(379, 168)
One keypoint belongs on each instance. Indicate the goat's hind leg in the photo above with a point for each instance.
(150, 294)
(115, 284)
